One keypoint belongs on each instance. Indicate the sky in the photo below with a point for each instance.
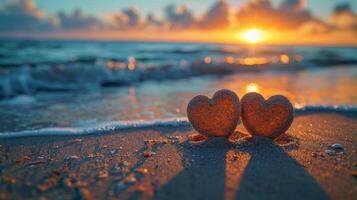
(326, 21)
(321, 8)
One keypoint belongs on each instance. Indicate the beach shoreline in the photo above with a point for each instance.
(165, 163)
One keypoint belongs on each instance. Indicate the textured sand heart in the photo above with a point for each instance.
(216, 117)
(269, 118)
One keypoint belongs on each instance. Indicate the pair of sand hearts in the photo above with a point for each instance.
(219, 116)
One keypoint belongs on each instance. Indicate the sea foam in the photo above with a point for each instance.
(109, 127)
(100, 128)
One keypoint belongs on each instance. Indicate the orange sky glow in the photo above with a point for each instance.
(273, 37)
(253, 22)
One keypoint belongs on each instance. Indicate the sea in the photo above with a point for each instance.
(69, 87)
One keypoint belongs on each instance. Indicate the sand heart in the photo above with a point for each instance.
(216, 117)
(269, 118)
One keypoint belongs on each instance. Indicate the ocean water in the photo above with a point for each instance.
(84, 87)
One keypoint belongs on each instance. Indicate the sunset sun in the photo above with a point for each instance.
(252, 36)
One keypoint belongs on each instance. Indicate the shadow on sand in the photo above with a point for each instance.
(270, 173)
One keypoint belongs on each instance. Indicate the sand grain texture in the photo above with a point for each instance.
(268, 118)
(216, 117)
(118, 165)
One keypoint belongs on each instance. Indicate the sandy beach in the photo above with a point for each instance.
(169, 163)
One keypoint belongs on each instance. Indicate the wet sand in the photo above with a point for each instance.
(166, 163)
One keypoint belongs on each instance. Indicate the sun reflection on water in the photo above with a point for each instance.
(207, 60)
(230, 59)
(284, 59)
(252, 87)
(131, 63)
(253, 61)
(298, 105)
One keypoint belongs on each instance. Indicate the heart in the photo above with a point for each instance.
(269, 118)
(216, 117)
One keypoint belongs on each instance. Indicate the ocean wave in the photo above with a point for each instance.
(101, 128)
(109, 127)
(325, 108)
(28, 67)
(109, 73)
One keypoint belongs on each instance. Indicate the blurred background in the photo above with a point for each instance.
(81, 63)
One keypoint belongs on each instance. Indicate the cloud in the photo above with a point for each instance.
(343, 17)
(115, 20)
(77, 20)
(292, 5)
(133, 16)
(315, 27)
(258, 13)
(180, 18)
(289, 15)
(151, 21)
(23, 15)
(218, 16)
(125, 19)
